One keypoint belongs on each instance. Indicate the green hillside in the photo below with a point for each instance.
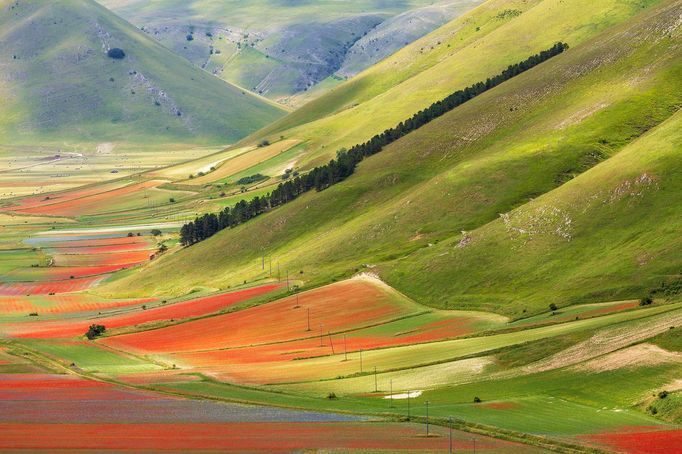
(58, 83)
(401, 215)
(283, 49)
(480, 43)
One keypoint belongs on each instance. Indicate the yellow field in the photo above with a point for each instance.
(244, 161)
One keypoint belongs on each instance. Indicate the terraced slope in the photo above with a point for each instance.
(520, 140)
(58, 83)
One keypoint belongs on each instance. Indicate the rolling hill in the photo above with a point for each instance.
(58, 83)
(470, 48)
(405, 209)
(502, 265)
(288, 51)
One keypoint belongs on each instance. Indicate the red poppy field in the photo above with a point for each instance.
(34, 202)
(50, 412)
(176, 311)
(244, 437)
(79, 203)
(343, 306)
(46, 288)
(642, 441)
(124, 242)
(127, 258)
(63, 304)
(247, 346)
(60, 273)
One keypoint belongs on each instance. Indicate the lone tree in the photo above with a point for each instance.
(552, 307)
(156, 232)
(116, 53)
(94, 331)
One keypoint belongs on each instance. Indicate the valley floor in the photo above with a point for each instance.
(349, 366)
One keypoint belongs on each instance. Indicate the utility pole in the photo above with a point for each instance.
(474, 446)
(345, 349)
(375, 379)
(391, 384)
(308, 313)
(427, 418)
(331, 342)
(450, 425)
(408, 404)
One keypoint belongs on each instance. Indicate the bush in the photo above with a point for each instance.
(264, 143)
(94, 331)
(190, 37)
(552, 307)
(663, 394)
(646, 301)
(252, 179)
(116, 53)
(156, 232)
(130, 234)
(477, 400)
(332, 396)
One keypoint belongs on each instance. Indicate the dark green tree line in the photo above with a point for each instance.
(344, 164)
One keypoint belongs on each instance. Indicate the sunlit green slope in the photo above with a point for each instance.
(401, 215)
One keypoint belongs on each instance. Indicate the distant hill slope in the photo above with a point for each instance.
(57, 82)
(282, 48)
(593, 129)
(480, 43)
(395, 33)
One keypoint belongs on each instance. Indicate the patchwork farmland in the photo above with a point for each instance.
(446, 226)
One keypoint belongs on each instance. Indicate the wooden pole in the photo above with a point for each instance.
(331, 342)
(408, 404)
(345, 349)
(391, 382)
(427, 418)
(450, 426)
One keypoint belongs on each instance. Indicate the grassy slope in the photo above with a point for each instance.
(59, 84)
(624, 237)
(458, 173)
(273, 55)
(468, 49)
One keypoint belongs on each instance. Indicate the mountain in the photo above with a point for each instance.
(284, 49)
(58, 82)
(544, 172)
(470, 48)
